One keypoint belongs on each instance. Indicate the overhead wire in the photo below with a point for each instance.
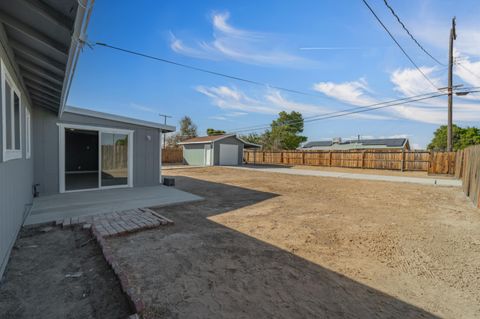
(345, 113)
(203, 70)
(410, 34)
(399, 45)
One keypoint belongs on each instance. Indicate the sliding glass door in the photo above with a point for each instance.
(95, 158)
(114, 159)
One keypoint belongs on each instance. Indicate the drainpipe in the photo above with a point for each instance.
(82, 18)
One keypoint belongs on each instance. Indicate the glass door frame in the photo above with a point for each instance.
(100, 130)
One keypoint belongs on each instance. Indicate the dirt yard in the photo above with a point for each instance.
(265, 245)
(60, 274)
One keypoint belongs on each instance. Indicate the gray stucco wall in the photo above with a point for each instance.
(146, 152)
(194, 154)
(229, 140)
(16, 178)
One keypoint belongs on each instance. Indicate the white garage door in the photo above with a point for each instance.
(228, 154)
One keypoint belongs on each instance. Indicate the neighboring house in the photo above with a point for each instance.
(215, 150)
(47, 148)
(339, 145)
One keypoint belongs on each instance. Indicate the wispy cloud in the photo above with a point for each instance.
(271, 102)
(238, 44)
(143, 108)
(407, 82)
(354, 92)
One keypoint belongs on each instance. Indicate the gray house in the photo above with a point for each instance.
(46, 147)
(215, 150)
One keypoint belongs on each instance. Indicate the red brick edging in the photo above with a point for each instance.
(135, 299)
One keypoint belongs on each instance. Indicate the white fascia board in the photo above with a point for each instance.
(118, 118)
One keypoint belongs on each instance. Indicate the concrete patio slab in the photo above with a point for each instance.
(54, 207)
(371, 177)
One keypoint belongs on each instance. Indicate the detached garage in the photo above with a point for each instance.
(215, 150)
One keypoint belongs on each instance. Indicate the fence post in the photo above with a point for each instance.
(263, 157)
(303, 158)
(329, 158)
(403, 160)
(363, 159)
(281, 157)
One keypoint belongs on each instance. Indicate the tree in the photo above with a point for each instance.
(462, 137)
(187, 130)
(284, 132)
(254, 138)
(211, 132)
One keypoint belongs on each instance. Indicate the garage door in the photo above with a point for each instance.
(228, 154)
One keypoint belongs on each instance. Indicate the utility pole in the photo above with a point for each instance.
(453, 36)
(164, 122)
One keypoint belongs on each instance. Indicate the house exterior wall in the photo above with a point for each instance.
(146, 148)
(229, 140)
(194, 154)
(16, 175)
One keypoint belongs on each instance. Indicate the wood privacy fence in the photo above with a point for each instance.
(443, 162)
(114, 156)
(468, 170)
(172, 155)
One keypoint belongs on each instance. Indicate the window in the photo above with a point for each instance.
(28, 134)
(11, 117)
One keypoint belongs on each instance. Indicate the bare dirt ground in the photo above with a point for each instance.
(266, 245)
(37, 282)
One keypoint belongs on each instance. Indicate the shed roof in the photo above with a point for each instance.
(214, 138)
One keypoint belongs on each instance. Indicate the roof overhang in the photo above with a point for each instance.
(220, 137)
(118, 118)
(44, 39)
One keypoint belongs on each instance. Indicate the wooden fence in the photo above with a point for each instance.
(114, 157)
(444, 163)
(172, 155)
(468, 170)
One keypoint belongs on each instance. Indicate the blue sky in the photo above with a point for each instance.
(334, 50)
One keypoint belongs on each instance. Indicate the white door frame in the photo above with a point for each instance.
(208, 151)
(100, 130)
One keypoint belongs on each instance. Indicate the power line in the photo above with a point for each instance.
(398, 44)
(224, 75)
(347, 110)
(468, 70)
(408, 32)
(345, 113)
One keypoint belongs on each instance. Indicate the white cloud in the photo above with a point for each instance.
(240, 45)
(355, 92)
(272, 102)
(408, 82)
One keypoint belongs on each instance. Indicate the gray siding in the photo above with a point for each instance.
(194, 154)
(16, 178)
(146, 152)
(229, 140)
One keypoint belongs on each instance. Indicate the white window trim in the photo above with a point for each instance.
(61, 166)
(28, 134)
(9, 154)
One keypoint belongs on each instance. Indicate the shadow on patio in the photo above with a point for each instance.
(199, 268)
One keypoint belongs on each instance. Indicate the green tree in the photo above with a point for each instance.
(211, 132)
(462, 137)
(285, 132)
(254, 138)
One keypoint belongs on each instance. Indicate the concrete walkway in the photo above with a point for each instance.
(371, 177)
(59, 206)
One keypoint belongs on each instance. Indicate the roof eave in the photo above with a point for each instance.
(78, 37)
(119, 118)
